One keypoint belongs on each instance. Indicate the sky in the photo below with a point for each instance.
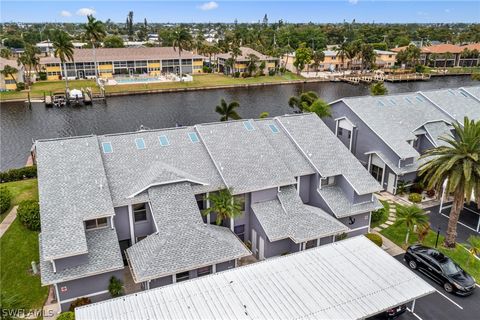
(401, 11)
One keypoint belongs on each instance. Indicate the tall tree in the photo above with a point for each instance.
(457, 165)
(129, 25)
(29, 60)
(310, 102)
(303, 56)
(94, 32)
(10, 71)
(252, 63)
(63, 49)
(227, 111)
(235, 52)
(182, 40)
(411, 216)
(342, 53)
(378, 89)
(318, 57)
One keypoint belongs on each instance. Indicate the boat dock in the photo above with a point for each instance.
(380, 77)
(72, 97)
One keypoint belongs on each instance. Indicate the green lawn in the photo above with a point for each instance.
(18, 248)
(397, 233)
(384, 217)
(199, 81)
(21, 190)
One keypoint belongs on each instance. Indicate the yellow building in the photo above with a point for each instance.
(241, 62)
(9, 82)
(123, 61)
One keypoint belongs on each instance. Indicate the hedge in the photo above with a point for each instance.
(79, 302)
(375, 238)
(5, 199)
(18, 174)
(29, 214)
(415, 197)
(69, 315)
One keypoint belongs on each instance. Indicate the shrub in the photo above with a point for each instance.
(236, 74)
(79, 302)
(5, 199)
(115, 287)
(431, 193)
(378, 214)
(415, 197)
(271, 72)
(375, 238)
(69, 315)
(244, 75)
(20, 86)
(18, 174)
(207, 69)
(29, 214)
(42, 75)
(419, 68)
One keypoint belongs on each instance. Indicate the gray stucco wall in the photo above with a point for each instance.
(144, 228)
(122, 224)
(62, 264)
(359, 220)
(362, 198)
(424, 144)
(160, 282)
(225, 265)
(82, 287)
(305, 188)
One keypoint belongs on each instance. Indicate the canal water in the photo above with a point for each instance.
(20, 125)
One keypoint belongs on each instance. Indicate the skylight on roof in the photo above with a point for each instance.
(408, 100)
(247, 124)
(107, 147)
(193, 137)
(451, 92)
(163, 141)
(392, 102)
(273, 128)
(418, 98)
(140, 143)
(380, 102)
(464, 94)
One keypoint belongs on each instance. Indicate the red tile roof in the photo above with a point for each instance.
(442, 48)
(471, 46)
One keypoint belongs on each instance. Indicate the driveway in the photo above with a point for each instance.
(441, 305)
(468, 221)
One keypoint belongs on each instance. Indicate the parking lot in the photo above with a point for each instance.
(467, 224)
(442, 305)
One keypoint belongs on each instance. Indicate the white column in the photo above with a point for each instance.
(214, 268)
(174, 278)
(232, 224)
(413, 306)
(298, 185)
(208, 206)
(58, 298)
(336, 128)
(351, 140)
(111, 222)
(333, 238)
(130, 220)
(53, 266)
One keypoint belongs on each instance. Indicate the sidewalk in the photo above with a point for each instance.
(8, 220)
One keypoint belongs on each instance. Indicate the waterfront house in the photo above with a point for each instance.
(242, 60)
(122, 61)
(8, 82)
(448, 55)
(389, 133)
(129, 205)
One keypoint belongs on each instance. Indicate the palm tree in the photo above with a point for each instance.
(227, 111)
(30, 60)
(342, 52)
(474, 247)
(224, 205)
(235, 51)
(63, 49)
(317, 57)
(411, 216)
(182, 40)
(320, 108)
(94, 33)
(6, 53)
(252, 63)
(310, 102)
(457, 165)
(378, 89)
(10, 71)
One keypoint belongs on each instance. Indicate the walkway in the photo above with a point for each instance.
(392, 217)
(5, 224)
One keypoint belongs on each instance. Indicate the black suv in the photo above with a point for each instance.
(440, 268)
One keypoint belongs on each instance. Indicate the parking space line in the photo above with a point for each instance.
(416, 315)
(459, 306)
(458, 222)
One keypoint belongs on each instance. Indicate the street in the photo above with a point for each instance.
(442, 305)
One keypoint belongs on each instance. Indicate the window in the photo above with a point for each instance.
(182, 276)
(140, 212)
(107, 147)
(327, 181)
(377, 173)
(349, 134)
(311, 244)
(140, 143)
(248, 125)
(340, 131)
(163, 141)
(193, 137)
(273, 128)
(204, 271)
(200, 201)
(96, 223)
(240, 231)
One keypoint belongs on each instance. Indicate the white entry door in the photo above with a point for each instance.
(254, 242)
(261, 248)
(391, 182)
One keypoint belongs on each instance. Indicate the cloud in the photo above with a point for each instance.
(209, 6)
(447, 10)
(86, 12)
(353, 1)
(65, 13)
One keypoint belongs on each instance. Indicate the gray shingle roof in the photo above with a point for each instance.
(474, 91)
(326, 152)
(436, 130)
(456, 103)
(394, 166)
(72, 188)
(103, 256)
(246, 51)
(341, 206)
(394, 118)
(183, 241)
(180, 160)
(244, 158)
(287, 217)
